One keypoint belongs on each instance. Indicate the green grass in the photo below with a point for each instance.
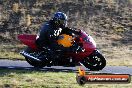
(11, 52)
(41, 79)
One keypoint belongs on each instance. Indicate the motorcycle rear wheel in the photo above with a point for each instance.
(95, 62)
(35, 63)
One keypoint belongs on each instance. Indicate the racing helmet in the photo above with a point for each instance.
(60, 19)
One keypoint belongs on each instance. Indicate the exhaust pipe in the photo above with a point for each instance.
(28, 55)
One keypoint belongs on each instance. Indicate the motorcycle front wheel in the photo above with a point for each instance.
(95, 61)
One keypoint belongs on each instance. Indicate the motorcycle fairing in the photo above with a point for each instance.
(28, 40)
(65, 40)
(88, 44)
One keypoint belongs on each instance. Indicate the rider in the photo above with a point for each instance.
(50, 31)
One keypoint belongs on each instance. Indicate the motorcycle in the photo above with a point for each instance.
(90, 57)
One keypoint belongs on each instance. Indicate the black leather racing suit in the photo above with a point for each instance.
(49, 33)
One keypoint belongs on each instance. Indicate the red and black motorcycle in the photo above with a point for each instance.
(90, 57)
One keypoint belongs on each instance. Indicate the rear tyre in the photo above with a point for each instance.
(95, 61)
(35, 63)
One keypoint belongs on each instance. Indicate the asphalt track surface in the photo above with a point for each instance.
(23, 65)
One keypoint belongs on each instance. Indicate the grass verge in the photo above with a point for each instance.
(41, 79)
(11, 52)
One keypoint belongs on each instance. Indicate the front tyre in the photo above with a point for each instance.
(95, 61)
